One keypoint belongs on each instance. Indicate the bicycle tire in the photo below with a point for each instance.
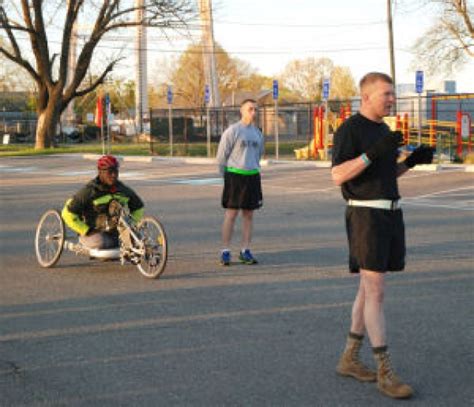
(49, 238)
(153, 263)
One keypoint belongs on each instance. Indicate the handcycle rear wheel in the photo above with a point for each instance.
(152, 264)
(49, 239)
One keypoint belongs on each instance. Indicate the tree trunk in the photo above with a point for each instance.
(48, 119)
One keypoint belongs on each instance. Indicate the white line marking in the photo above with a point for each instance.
(17, 169)
(436, 205)
(298, 190)
(75, 173)
(443, 192)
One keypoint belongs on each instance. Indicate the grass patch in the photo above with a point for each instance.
(139, 149)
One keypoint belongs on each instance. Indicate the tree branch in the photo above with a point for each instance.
(71, 18)
(16, 56)
(38, 39)
(94, 85)
(462, 10)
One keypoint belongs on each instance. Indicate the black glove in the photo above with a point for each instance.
(389, 142)
(421, 155)
(399, 136)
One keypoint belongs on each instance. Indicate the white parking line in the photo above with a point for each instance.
(455, 198)
(445, 192)
(7, 169)
(431, 204)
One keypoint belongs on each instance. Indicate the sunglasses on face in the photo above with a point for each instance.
(110, 170)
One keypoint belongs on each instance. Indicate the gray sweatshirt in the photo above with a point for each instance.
(241, 147)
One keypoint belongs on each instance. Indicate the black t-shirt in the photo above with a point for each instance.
(379, 179)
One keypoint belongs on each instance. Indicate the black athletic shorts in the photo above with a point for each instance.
(242, 191)
(376, 239)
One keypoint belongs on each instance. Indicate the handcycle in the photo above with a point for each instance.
(143, 244)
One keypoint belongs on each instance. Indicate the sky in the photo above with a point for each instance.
(268, 34)
(353, 33)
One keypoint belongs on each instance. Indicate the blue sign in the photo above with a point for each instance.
(326, 85)
(419, 82)
(207, 94)
(108, 107)
(275, 89)
(169, 95)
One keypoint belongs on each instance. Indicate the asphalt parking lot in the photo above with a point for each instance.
(89, 333)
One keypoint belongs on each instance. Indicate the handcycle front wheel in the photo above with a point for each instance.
(153, 262)
(49, 239)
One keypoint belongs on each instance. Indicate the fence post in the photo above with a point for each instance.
(315, 131)
(151, 132)
(310, 128)
(458, 133)
(433, 122)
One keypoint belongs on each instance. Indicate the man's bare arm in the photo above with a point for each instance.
(348, 170)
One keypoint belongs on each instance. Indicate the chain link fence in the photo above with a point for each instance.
(426, 118)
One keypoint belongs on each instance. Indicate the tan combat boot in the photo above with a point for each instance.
(350, 365)
(387, 381)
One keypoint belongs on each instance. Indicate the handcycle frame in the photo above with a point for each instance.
(143, 244)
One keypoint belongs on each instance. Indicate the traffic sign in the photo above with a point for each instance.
(207, 94)
(419, 82)
(326, 85)
(169, 95)
(275, 89)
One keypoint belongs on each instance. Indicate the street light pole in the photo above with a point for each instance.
(391, 47)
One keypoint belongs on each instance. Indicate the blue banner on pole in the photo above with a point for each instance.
(207, 94)
(326, 85)
(419, 82)
(275, 89)
(169, 95)
(108, 107)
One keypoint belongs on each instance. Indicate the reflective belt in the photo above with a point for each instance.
(242, 171)
(376, 203)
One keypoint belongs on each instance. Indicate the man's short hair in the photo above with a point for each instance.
(247, 101)
(372, 77)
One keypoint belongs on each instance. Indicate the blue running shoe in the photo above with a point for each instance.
(225, 258)
(247, 258)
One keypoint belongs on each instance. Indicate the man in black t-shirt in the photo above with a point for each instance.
(365, 165)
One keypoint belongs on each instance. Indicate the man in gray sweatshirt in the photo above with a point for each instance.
(238, 157)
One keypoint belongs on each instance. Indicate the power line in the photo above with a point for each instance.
(297, 25)
(200, 49)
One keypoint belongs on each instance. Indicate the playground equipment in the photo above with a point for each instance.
(454, 136)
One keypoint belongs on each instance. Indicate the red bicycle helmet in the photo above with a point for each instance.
(107, 161)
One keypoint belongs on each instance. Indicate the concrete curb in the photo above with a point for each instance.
(271, 162)
(319, 164)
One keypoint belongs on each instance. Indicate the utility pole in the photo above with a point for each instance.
(208, 52)
(391, 48)
(141, 95)
(68, 116)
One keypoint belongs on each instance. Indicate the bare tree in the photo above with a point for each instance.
(50, 71)
(186, 75)
(449, 42)
(305, 77)
(343, 85)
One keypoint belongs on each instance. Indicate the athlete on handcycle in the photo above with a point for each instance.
(88, 212)
(109, 218)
